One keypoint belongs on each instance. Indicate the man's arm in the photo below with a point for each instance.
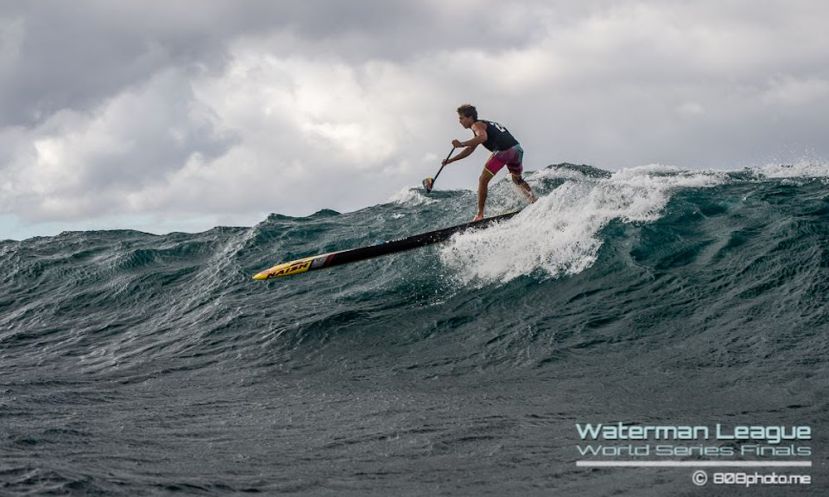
(480, 136)
(463, 155)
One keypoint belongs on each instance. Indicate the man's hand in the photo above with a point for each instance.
(446, 161)
(457, 144)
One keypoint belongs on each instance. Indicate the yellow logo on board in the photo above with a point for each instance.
(291, 268)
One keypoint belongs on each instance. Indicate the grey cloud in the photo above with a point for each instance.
(158, 130)
(74, 54)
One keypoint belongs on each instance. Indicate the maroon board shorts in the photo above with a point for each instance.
(510, 157)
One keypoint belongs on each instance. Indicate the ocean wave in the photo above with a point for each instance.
(560, 233)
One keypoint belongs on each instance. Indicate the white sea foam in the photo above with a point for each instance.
(559, 233)
(410, 197)
(801, 169)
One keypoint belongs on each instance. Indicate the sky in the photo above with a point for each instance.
(182, 116)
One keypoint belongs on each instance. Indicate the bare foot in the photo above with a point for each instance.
(478, 217)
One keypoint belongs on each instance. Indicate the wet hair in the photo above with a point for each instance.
(467, 110)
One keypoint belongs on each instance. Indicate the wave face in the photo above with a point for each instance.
(142, 364)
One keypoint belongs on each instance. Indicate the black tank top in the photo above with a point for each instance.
(497, 137)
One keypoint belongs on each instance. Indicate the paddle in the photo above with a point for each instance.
(429, 183)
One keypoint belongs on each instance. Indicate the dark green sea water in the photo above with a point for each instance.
(138, 364)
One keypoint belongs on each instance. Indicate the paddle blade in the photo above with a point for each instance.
(428, 183)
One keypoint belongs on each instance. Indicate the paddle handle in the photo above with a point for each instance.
(442, 164)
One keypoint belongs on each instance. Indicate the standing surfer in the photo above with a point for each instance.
(506, 151)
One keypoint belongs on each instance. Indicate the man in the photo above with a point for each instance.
(505, 152)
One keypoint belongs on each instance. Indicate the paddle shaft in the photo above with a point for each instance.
(442, 165)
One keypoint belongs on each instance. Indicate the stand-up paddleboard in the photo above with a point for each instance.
(362, 253)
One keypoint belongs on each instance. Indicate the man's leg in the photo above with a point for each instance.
(524, 186)
(483, 185)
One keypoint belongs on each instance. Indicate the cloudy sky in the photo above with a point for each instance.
(185, 115)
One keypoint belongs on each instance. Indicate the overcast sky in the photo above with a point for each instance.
(185, 115)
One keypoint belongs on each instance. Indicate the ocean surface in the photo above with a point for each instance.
(139, 364)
